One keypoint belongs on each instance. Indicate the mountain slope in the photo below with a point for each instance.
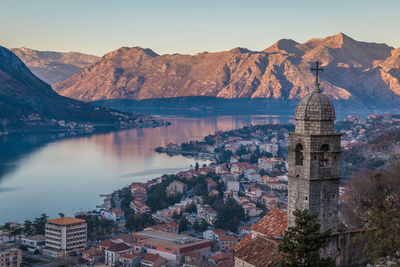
(282, 71)
(54, 67)
(28, 102)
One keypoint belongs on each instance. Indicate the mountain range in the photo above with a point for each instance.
(53, 67)
(360, 72)
(26, 102)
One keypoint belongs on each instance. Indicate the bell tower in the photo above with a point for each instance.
(314, 159)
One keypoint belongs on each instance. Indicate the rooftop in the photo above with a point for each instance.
(273, 224)
(171, 240)
(259, 251)
(66, 221)
(118, 247)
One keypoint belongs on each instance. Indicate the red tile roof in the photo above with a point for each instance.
(259, 251)
(130, 256)
(244, 242)
(151, 257)
(66, 221)
(92, 252)
(228, 238)
(273, 224)
(106, 243)
(118, 247)
(219, 232)
(221, 256)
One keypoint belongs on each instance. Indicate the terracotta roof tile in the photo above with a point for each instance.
(244, 242)
(259, 251)
(273, 224)
(118, 247)
(228, 238)
(66, 221)
(106, 243)
(151, 257)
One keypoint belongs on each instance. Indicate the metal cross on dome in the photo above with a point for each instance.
(317, 70)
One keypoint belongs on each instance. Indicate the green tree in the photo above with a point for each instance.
(302, 243)
(39, 224)
(28, 228)
(62, 215)
(229, 215)
(374, 205)
(183, 225)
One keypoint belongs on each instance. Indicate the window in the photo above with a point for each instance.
(299, 155)
(324, 162)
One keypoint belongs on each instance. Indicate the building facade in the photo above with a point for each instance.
(10, 257)
(64, 236)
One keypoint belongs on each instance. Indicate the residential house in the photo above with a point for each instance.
(139, 207)
(211, 184)
(214, 234)
(102, 246)
(10, 257)
(171, 227)
(227, 242)
(35, 242)
(93, 256)
(254, 193)
(268, 164)
(233, 185)
(152, 260)
(130, 260)
(118, 214)
(113, 253)
(223, 259)
(176, 188)
(207, 213)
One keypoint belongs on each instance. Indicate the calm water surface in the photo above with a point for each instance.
(46, 174)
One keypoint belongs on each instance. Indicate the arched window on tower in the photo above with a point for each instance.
(324, 161)
(299, 155)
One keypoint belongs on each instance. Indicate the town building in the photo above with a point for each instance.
(64, 236)
(35, 242)
(227, 242)
(10, 257)
(213, 234)
(130, 260)
(207, 213)
(139, 207)
(113, 253)
(176, 188)
(152, 260)
(170, 246)
(171, 227)
(93, 256)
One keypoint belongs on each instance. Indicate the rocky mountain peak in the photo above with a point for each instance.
(282, 71)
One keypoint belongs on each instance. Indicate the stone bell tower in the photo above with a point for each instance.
(314, 160)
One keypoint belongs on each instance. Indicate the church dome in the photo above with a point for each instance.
(315, 106)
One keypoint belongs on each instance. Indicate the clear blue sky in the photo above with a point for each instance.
(98, 27)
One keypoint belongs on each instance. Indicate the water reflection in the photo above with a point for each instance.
(46, 173)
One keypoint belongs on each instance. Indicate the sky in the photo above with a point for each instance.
(189, 27)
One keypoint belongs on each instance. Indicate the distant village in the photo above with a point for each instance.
(192, 218)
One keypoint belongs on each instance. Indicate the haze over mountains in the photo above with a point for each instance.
(365, 73)
(28, 102)
(54, 67)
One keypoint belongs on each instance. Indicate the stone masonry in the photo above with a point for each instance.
(314, 161)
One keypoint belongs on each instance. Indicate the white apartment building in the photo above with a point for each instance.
(64, 236)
